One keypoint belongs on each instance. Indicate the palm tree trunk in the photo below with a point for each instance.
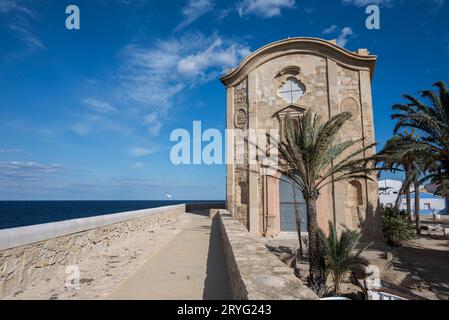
(337, 284)
(298, 224)
(316, 259)
(417, 206)
(408, 197)
(299, 254)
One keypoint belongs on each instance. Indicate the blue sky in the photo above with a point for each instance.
(87, 114)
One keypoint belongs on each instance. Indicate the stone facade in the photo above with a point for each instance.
(255, 273)
(23, 266)
(291, 76)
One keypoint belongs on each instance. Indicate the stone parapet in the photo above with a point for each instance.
(255, 273)
(31, 254)
(190, 207)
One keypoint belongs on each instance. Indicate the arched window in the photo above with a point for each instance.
(353, 206)
(292, 90)
(355, 193)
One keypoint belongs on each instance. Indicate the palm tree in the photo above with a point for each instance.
(432, 121)
(340, 253)
(396, 154)
(391, 161)
(312, 160)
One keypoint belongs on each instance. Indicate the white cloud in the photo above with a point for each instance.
(15, 170)
(437, 4)
(142, 152)
(14, 5)
(342, 39)
(330, 29)
(194, 10)
(390, 3)
(155, 129)
(364, 3)
(10, 150)
(264, 8)
(152, 76)
(150, 118)
(309, 10)
(31, 41)
(138, 165)
(100, 106)
(153, 123)
(216, 55)
(17, 18)
(223, 13)
(147, 75)
(132, 2)
(81, 128)
(98, 123)
(343, 36)
(27, 127)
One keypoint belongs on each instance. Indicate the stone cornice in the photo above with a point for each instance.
(289, 46)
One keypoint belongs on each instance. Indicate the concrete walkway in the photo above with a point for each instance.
(189, 267)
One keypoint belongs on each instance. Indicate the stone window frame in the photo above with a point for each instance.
(358, 188)
(283, 76)
(294, 110)
(287, 90)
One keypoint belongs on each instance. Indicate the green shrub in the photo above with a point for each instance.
(395, 228)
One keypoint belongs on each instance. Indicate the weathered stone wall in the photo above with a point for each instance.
(25, 265)
(332, 80)
(312, 75)
(269, 110)
(241, 188)
(255, 273)
(349, 100)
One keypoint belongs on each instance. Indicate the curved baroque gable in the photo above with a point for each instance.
(314, 46)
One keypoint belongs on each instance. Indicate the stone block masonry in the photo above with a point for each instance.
(191, 207)
(30, 255)
(290, 77)
(255, 273)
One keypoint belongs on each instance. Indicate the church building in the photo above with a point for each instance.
(289, 77)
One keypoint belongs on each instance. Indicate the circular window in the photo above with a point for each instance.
(292, 90)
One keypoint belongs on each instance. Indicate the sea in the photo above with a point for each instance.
(15, 214)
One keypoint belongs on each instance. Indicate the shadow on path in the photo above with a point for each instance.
(431, 265)
(216, 284)
(200, 212)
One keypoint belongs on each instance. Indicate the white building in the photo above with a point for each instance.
(389, 191)
(429, 203)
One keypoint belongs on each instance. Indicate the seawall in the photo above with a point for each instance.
(32, 254)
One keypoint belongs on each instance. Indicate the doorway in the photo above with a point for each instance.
(292, 204)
